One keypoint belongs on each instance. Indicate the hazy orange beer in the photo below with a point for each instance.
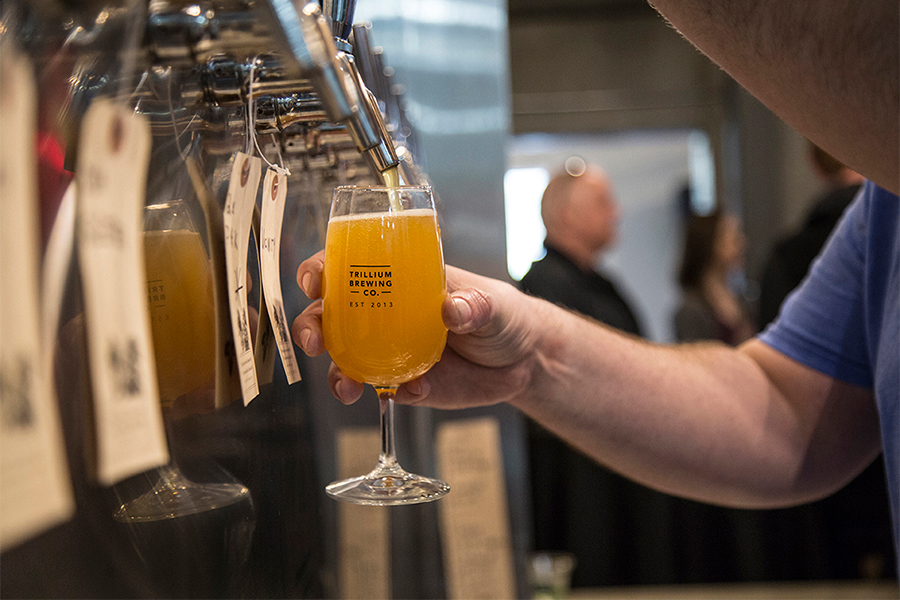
(180, 296)
(384, 285)
(182, 314)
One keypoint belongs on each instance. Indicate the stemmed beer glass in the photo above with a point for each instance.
(384, 284)
(182, 319)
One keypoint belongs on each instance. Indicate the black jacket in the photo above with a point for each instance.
(794, 254)
(559, 280)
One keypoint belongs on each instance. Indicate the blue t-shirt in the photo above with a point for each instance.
(844, 319)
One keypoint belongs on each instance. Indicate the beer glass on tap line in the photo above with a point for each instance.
(384, 283)
(182, 320)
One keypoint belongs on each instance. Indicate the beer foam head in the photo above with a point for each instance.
(406, 214)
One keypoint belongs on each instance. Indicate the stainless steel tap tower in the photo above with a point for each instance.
(213, 59)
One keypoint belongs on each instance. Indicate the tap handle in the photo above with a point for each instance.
(312, 54)
(380, 151)
(286, 26)
(364, 53)
(310, 43)
(386, 86)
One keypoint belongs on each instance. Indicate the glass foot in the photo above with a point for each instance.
(388, 487)
(176, 496)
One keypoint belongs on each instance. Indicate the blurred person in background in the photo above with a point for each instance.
(579, 506)
(580, 212)
(711, 309)
(792, 256)
(718, 543)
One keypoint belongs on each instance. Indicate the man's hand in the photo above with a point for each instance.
(490, 344)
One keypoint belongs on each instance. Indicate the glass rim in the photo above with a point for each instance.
(166, 203)
(379, 188)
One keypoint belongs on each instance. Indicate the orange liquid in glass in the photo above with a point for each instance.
(384, 285)
(182, 312)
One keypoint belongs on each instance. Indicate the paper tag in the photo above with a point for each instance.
(238, 217)
(227, 379)
(113, 157)
(35, 491)
(274, 195)
(364, 557)
(475, 535)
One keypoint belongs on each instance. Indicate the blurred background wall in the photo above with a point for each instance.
(450, 59)
(615, 65)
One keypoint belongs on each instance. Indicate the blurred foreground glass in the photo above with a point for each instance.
(550, 574)
(182, 318)
(384, 284)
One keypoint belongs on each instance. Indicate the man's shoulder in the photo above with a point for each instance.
(549, 269)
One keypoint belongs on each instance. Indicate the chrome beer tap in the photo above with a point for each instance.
(313, 53)
(382, 155)
(375, 75)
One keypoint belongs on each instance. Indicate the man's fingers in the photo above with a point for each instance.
(342, 387)
(483, 357)
(465, 311)
(309, 275)
(455, 383)
(306, 330)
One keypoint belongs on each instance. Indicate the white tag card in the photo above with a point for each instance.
(273, 200)
(113, 156)
(35, 491)
(475, 533)
(238, 217)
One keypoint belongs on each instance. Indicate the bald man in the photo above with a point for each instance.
(569, 490)
(581, 215)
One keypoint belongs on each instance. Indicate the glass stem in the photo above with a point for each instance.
(169, 473)
(387, 458)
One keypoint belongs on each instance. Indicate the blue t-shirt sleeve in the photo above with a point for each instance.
(822, 323)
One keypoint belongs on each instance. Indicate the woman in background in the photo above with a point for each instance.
(711, 309)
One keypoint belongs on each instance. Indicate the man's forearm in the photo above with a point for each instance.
(829, 69)
(700, 420)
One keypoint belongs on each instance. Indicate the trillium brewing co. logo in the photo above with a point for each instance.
(370, 281)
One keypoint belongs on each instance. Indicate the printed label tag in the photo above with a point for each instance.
(113, 158)
(364, 547)
(35, 491)
(238, 218)
(274, 195)
(475, 535)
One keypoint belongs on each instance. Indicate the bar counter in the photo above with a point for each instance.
(803, 590)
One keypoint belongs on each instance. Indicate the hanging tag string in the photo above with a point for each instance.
(133, 32)
(281, 168)
(251, 126)
(251, 110)
(178, 134)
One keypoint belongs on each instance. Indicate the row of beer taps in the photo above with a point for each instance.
(306, 70)
(217, 77)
